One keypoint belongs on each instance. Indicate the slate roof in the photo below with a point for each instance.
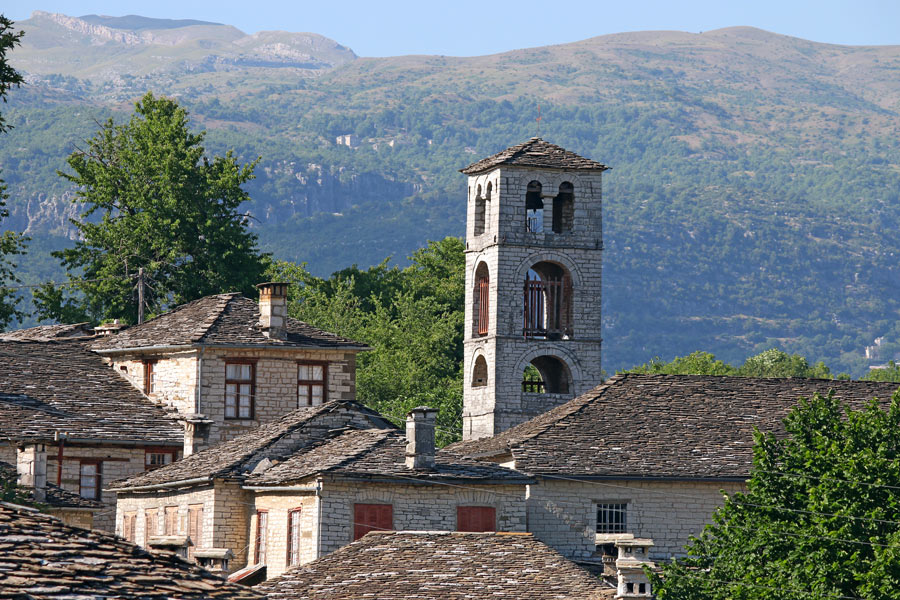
(42, 558)
(219, 320)
(53, 386)
(376, 453)
(43, 333)
(535, 153)
(56, 497)
(664, 426)
(438, 566)
(235, 458)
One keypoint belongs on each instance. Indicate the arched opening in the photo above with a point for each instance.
(481, 294)
(534, 208)
(546, 375)
(564, 208)
(548, 302)
(479, 373)
(480, 211)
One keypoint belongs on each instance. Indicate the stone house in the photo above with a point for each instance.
(441, 565)
(226, 364)
(47, 559)
(68, 507)
(646, 455)
(311, 482)
(68, 418)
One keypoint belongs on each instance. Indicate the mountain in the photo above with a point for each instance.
(753, 199)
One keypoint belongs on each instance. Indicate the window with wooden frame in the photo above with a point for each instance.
(170, 522)
(149, 376)
(240, 388)
(195, 528)
(151, 522)
(311, 379)
(476, 518)
(372, 517)
(128, 526)
(153, 459)
(293, 537)
(90, 479)
(262, 529)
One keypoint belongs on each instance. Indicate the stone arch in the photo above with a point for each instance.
(481, 299)
(550, 256)
(479, 371)
(543, 356)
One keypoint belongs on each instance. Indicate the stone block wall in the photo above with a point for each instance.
(138, 503)
(75, 518)
(563, 514)
(278, 504)
(175, 377)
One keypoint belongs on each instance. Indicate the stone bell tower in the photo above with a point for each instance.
(533, 246)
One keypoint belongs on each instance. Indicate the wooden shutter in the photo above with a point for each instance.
(484, 289)
(476, 518)
(372, 517)
(195, 522)
(262, 534)
(293, 537)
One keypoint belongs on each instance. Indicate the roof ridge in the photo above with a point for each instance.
(204, 326)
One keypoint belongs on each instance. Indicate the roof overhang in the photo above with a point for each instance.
(644, 478)
(187, 347)
(164, 485)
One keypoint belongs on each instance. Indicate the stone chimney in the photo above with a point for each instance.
(31, 465)
(273, 309)
(634, 555)
(196, 434)
(420, 438)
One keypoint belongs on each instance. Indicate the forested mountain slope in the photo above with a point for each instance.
(753, 199)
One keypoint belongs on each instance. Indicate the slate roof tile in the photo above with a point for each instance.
(219, 320)
(665, 426)
(53, 386)
(43, 333)
(438, 566)
(44, 559)
(535, 153)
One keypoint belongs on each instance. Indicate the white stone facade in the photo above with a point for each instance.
(508, 251)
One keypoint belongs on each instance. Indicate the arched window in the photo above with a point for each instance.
(481, 295)
(479, 373)
(546, 375)
(480, 211)
(564, 208)
(548, 302)
(534, 208)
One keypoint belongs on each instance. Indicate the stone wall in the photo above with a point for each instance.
(509, 251)
(75, 518)
(278, 504)
(563, 514)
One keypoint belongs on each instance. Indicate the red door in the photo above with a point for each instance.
(372, 517)
(476, 518)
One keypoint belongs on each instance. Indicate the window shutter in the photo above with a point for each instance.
(476, 518)
(372, 517)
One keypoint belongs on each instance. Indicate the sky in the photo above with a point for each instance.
(471, 28)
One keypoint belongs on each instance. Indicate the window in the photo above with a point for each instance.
(534, 208)
(480, 373)
(128, 526)
(151, 522)
(240, 384)
(293, 545)
(262, 527)
(372, 517)
(476, 518)
(154, 460)
(195, 528)
(546, 375)
(311, 389)
(170, 524)
(612, 517)
(481, 300)
(149, 377)
(90, 479)
(480, 210)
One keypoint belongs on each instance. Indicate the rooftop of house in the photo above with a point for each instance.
(660, 426)
(538, 154)
(56, 497)
(219, 320)
(236, 458)
(439, 565)
(61, 386)
(43, 333)
(44, 558)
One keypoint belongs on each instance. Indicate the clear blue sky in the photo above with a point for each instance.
(469, 28)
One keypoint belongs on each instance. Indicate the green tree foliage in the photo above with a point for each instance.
(412, 319)
(769, 363)
(820, 518)
(153, 200)
(11, 243)
(889, 373)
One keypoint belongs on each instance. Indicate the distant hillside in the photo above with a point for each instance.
(753, 199)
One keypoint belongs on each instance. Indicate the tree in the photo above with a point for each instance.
(820, 518)
(164, 208)
(11, 243)
(769, 363)
(889, 373)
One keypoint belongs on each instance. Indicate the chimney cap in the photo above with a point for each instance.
(272, 285)
(422, 409)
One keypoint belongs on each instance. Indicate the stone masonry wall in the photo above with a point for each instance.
(278, 504)
(509, 251)
(416, 507)
(563, 514)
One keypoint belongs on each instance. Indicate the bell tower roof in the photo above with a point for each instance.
(535, 153)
